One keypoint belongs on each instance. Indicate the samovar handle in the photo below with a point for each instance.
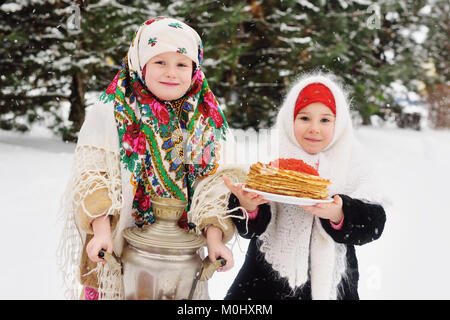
(206, 272)
(208, 268)
(109, 258)
(139, 223)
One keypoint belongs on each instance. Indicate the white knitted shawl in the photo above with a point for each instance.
(295, 241)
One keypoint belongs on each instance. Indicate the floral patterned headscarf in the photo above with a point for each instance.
(166, 145)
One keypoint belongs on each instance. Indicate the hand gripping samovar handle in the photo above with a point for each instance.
(109, 258)
(206, 272)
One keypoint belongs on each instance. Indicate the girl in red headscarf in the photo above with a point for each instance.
(307, 252)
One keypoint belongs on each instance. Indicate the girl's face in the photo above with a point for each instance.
(168, 75)
(314, 127)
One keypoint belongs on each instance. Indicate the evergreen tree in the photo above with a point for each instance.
(253, 51)
(350, 38)
(437, 46)
(27, 77)
(54, 50)
(220, 25)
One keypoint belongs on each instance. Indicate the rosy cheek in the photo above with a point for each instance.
(298, 133)
(147, 83)
(330, 134)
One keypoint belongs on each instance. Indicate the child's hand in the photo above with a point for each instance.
(248, 200)
(331, 210)
(217, 249)
(102, 239)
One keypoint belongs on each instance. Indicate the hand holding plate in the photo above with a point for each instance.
(248, 200)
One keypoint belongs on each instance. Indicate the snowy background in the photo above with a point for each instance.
(411, 260)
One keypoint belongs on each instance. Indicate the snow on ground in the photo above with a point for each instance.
(410, 261)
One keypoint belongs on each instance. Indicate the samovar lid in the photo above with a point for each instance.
(164, 232)
(149, 236)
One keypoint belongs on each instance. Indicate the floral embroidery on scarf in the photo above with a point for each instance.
(150, 21)
(175, 25)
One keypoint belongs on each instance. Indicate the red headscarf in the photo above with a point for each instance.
(315, 92)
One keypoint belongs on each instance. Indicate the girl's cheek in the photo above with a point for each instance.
(330, 133)
(147, 84)
(297, 132)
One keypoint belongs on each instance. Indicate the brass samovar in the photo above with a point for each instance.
(161, 261)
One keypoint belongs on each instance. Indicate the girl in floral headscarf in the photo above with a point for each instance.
(156, 132)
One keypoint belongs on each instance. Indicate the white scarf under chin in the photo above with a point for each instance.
(295, 241)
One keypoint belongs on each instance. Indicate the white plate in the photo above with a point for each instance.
(288, 199)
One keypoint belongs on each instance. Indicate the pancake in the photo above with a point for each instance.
(268, 178)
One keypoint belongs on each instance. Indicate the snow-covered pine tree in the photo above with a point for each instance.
(252, 55)
(253, 50)
(219, 24)
(30, 32)
(53, 51)
(274, 41)
(98, 45)
(362, 41)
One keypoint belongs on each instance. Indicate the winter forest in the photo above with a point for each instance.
(57, 56)
(393, 55)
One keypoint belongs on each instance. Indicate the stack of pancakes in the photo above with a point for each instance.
(270, 179)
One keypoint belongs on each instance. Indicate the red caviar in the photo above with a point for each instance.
(295, 165)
